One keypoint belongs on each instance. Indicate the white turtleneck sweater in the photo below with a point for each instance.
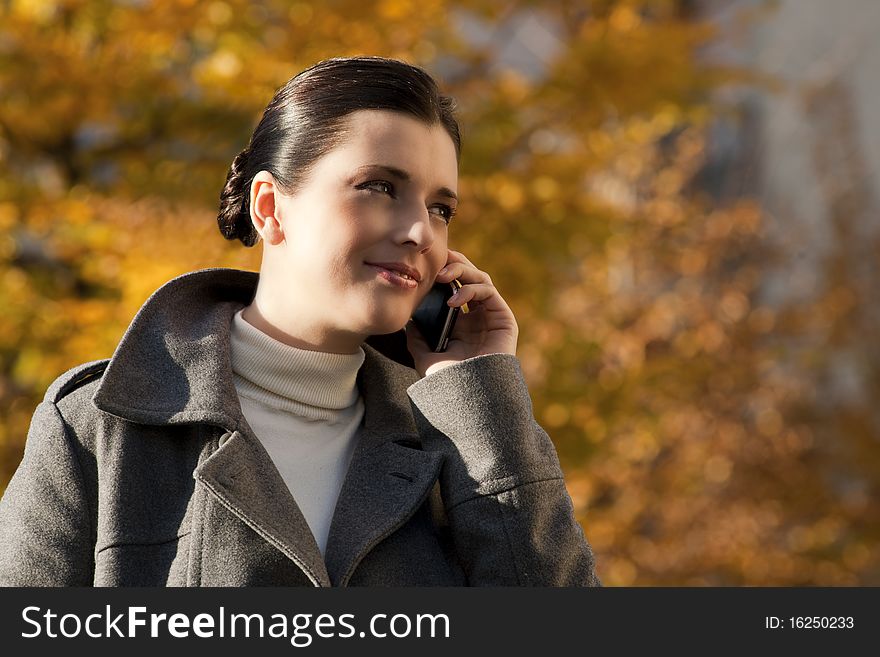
(305, 407)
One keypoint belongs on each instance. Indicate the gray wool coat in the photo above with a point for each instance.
(142, 470)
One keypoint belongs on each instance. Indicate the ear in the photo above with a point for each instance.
(264, 201)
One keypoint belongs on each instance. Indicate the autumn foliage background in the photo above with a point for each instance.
(683, 405)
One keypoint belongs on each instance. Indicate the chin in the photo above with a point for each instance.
(387, 324)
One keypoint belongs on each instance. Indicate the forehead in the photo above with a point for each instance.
(398, 140)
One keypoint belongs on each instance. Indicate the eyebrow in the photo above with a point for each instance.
(400, 174)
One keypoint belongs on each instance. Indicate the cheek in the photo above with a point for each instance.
(342, 228)
(360, 220)
(440, 253)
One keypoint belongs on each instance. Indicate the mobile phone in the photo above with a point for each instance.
(434, 318)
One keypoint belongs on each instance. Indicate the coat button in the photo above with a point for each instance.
(224, 438)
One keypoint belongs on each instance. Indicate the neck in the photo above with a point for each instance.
(260, 315)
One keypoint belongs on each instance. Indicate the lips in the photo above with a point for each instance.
(396, 279)
(405, 271)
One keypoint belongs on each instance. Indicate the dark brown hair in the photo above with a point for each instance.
(305, 118)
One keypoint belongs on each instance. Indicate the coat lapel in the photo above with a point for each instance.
(389, 476)
(241, 475)
(387, 481)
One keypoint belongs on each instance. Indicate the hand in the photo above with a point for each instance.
(489, 327)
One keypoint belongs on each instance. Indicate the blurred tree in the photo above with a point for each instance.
(659, 375)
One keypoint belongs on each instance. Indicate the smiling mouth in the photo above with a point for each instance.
(396, 278)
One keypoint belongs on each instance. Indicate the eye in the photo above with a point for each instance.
(381, 186)
(444, 211)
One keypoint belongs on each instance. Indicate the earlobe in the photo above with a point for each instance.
(272, 232)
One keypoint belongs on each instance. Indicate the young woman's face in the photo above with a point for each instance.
(384, 195)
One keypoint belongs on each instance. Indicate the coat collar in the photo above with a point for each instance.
(173, 364)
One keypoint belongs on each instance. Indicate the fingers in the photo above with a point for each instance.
(477, 286)
(458, 256)
(462, 269)
(478, 293)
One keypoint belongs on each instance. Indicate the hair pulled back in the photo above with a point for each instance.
(304, 120)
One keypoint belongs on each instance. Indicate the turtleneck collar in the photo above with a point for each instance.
(314, 384)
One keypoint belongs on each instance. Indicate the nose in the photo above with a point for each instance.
(416, 229)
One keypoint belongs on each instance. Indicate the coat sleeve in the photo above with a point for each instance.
(511, 517)
(45, 529)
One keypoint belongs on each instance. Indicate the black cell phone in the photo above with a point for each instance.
(434, 318)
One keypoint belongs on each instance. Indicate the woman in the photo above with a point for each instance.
(271, 429)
